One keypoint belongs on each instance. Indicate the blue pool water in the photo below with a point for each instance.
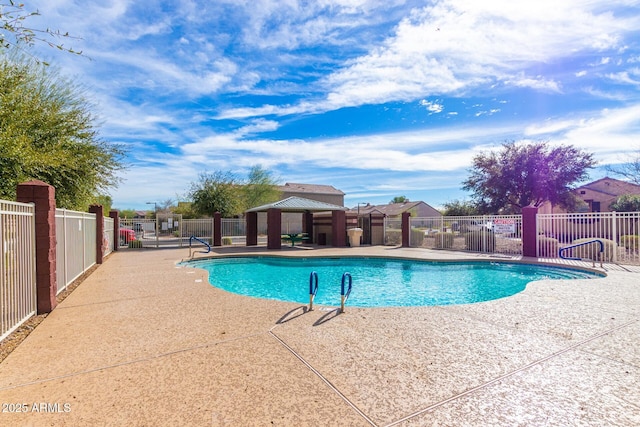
(377, 282)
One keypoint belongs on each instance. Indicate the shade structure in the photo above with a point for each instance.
(290, 204)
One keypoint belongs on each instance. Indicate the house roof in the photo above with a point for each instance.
(298, 204)
(309, 188)
(611, 187)
(391, 209)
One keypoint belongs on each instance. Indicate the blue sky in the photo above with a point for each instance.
(379, 98)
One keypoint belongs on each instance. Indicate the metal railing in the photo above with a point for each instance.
(313, 288)
(345, 290)
(75, 246)
(191, 239)
(619, 232)
(483, 233)
(17, 265)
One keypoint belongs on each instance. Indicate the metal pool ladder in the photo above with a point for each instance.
(345, 295)
(191, 239)
(313, 288)
(583, 244)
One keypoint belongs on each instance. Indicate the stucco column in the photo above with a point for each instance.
(115, 215)
(217, 229)
(406, 229)
(43, 196)
(339, 229)
(251, 231)
(307, 225)
(274, 228)
(97, 210)
(529, 231)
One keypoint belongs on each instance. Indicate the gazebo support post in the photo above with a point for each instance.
(307, 225)
(274, 228)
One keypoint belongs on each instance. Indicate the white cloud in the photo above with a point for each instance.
(433, 107)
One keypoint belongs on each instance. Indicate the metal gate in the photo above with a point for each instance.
(163, 231)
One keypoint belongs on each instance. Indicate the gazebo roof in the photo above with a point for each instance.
(298, 204)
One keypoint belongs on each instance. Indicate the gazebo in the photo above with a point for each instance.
(294, 204)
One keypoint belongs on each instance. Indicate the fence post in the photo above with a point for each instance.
(614, 236)
(115, 215)
(98, 211)
(43, 196)
(529, 231)
(217, 229)
(406, 229)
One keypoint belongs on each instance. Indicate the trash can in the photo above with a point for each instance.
(354, 236)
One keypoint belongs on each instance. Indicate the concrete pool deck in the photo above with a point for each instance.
(145, 342)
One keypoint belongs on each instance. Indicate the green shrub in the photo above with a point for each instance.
(226, 241)
(548, 247)
(443, 240)
(135, 244)
(393, 237)
(417, 237)
(630, 241)
(592, 251)
(480, 241)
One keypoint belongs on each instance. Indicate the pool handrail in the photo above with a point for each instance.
(313, 288)
(344, 296)
(191, 239)
(566, 248)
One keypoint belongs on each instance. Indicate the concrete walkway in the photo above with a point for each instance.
(144, 342)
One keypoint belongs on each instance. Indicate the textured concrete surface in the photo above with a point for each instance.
(144, 342)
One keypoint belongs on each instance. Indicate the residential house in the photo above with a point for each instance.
(395, 210)
(597, 195)
(320, 193)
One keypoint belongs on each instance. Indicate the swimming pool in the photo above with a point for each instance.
(377, 282)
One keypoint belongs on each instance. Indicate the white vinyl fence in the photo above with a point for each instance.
(17, 265)
(484, 233)
(75, 246)
(108, 239)
(618, 232)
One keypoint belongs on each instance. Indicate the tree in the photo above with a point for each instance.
(526, 174)
(460, 208)
(127, 213)
(14, 33)
(216, 192)
(47, 132)
(105, 200)
(260, 188)
(399, 199)
(630, 170)
(626, 203)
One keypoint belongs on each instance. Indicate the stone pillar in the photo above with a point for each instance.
(251, 232)
(274, 228)
(43, 195)
(115, 215)
(406, 229)
(529, 231)
(307, 225)
(217, 229)
(97, 210)
(339, 229)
